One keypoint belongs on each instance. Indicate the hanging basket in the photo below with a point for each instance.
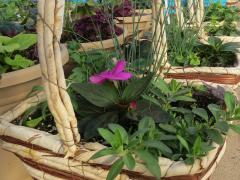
(64, 156)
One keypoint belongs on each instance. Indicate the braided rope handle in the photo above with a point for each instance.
(49, 29)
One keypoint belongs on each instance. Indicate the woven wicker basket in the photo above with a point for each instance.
(64, 156)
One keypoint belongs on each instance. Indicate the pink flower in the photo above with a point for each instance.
(116, 74)
(133, 105)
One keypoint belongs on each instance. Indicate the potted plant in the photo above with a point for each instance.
(136, 22)
(187, 132)
(97, 31)
(190, 61)
(222, 20)
(19, 68)
(92, 27)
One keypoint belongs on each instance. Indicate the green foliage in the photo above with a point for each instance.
(31, 117)
(135, 146)
(186, 50)
(142, 4)
(216, 53)
(99, 105)
(88, 63)
(18, 62)
(16, 10)
(181, 45)
(222, 20)
(11, 50)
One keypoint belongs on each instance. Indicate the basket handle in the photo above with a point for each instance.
(49, 29)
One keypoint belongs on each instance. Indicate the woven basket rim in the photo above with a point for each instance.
(7, 129)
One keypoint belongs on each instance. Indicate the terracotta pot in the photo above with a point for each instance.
(16, 85)
(136, 25)
(104, 44)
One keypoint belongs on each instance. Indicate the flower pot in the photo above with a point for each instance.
(136, 25)
(104, 44)
(219, 79)
(43, 155)
(232, 3)
(16, 85)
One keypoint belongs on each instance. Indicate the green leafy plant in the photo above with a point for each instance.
(17, 16)
(216, 53)
(30, 117)
(88, 63)
(12, 51)
(189, 137)
(181, 45)
(129, 148)
(99, 105)
(186, 50)
(222, 20)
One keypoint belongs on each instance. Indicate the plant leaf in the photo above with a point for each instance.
(215, 110)
(183, 142)
(158, 145)
(18, 62)
(201, 112)
(182, 98)
(168, 128)
(99, 95)
(103, 152)
(230, 101)
(115, 169)
(107, 135)
(215, 136)
(122, 131)
(163, 86)
(197, 146)
(136, 88)
(24, 40)
(129, 161)
(34, 122)
(150, 161)
(222, 126)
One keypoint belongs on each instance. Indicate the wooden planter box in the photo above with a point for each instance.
(16, 85)
(232, 3)
(136, 25)
(104, 44)
(219, 78)
(43, 155)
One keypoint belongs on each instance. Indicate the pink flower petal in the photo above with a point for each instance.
(120, 76)
(120, 66)
(97, 79)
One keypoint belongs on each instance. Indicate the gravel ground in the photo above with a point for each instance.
(229, 167)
